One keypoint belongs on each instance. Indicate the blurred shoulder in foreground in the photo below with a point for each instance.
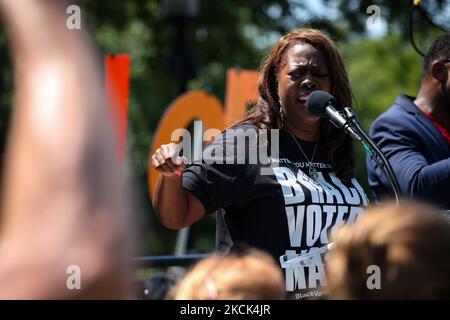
(64, 210)
(392, 253)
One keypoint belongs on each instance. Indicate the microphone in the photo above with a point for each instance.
(322, 104)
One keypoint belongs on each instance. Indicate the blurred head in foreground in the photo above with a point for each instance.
(251, 276)
(406, 247)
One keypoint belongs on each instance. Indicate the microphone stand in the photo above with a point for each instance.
(372, 149)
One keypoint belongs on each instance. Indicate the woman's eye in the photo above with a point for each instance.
(295, 75)
(298, 75)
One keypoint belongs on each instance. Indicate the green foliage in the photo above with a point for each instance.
(227, 34)
(379, 70)
(396, 13)
(216, 40)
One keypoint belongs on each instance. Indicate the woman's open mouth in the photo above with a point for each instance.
(303, 98)
(303, 95)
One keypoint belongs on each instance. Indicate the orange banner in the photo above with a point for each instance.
(117, 89)
(241, 89)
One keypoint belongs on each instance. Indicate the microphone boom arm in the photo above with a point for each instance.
(340, 120)
(322, 104)
(372, 149)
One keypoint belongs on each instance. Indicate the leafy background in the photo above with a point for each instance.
(173, 54)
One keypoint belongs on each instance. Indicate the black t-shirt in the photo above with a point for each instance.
(275, 206)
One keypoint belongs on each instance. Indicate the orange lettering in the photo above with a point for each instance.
(117, 89)
(199, 105)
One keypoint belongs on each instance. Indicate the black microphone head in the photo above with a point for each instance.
(318, 101)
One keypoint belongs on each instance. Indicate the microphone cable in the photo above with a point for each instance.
(416, 7)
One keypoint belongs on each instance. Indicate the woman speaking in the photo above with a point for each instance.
(289, 204)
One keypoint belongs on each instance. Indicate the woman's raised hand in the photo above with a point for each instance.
(166, 160)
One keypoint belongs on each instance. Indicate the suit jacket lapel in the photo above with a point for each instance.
(432, 129)
(407, 104)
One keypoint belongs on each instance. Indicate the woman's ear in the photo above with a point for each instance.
(439, 71)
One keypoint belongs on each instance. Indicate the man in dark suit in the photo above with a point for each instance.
(414, 134)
